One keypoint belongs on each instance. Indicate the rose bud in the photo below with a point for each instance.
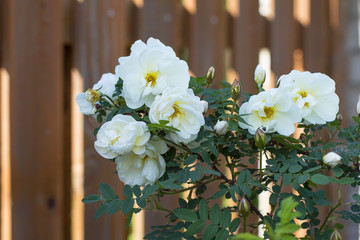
(335, 236)
(210, 75)
(206, 105)
(259, 75)
(331, 159)
(260, 138)
(244, 207)
(221, 127)
(235, 90)
(358, 107)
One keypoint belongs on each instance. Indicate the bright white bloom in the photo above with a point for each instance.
(182, 109)
(121, 135)
(143, 169)
(259, 75)
(149, 70)
(272, 110)
(105, 86)
(358, 107)
(332, 159)
(206, 105)
(221, 127)
(313, 93)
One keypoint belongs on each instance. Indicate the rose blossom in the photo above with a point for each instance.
(148, 71)
(332, 159)
(271, 109)
(121, 135)
(88, 100)
(358, 107)
(143, 169)
(313, 93)
(182, 109)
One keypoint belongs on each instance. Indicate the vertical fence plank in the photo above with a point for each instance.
(208, 38)
(33, 59)
(99, 39)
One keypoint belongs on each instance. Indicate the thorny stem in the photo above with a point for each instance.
(358, 132)
(254, 209)
(231, 168)
(158, 207)
(329, 214)
(109, 98)
(190, 188)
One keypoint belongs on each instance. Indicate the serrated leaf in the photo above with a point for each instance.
(346, 180)
(225, 218)
(114, 206)
(312, 169)
(223, 234)
(127, 205)
(195, 227)
(338, 172)
(295, 168)
(234, 225)
(203, 209)
(215, 214)
(107, 191)
(127, 191)
(91, 198)
(219, 193)
(185, 214)
(101, 210)
(149, 190)
(210, 231)
(320, 179)
(141, 202)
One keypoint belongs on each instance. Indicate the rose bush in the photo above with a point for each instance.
(171, 134)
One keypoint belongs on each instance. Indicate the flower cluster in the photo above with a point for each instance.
(300, 96)
(152, 80)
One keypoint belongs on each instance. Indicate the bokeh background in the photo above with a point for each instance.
(50, 50)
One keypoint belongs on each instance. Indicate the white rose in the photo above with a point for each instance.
(358, 107)
(182, 109)
(148, 71)
(206, 105)
(271, 109)
(259, 75)
(313, 93)
(143, 169)
(332, 159)
(87, 101)
(221, 127)
(121, 135)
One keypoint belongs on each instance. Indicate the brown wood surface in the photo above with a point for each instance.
(33, 58)
(99, 39)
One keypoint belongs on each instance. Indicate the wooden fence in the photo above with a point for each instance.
(50, 50)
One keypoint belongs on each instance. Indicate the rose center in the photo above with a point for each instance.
(151, 78)
(269, 112)
(112, 142)
(302, 93)
(93, 96)
(176, 112)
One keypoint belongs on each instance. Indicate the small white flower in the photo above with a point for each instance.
(272, 110)
(149, 70)
(313, 93)
(182, 109)
(121, 135)
(206, 105)
(259, 75)
(332, 159)
(221, 127)
(105, 86)
(358, 107)
(143, 169)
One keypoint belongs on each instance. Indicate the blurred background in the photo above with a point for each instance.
(50, 50)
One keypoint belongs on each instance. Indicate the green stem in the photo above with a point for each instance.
(260, 169)
(158, 207)
(329, 215)
(109, 98)
(189, 188)
(358, 132)
(244, 222)
(174, 144)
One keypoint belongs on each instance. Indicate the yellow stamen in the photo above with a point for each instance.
(302, 93)
(151, 78)
(93, 96)
(112, 142)
(269, 112)
(176, 111)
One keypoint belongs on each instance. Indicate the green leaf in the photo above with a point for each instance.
(203, 209)
(209, 171)
(127, 191)
(234, 225)
(185, 214)
(210, 231)
(320, 179)
(107, 191)
(287, 229)
(303, 178)
(101, 210)
(338, 172)
(223, 234)
(346, 180)
(356, 119)
(91, 198)
(246, 236)
(312, 169)
(215, 214)
(295, 168)
(127, 205)
(219, 193)
(287, 178)
(225, 218)
(206, 158)
(356, 197)
(137, 191)
(285, 212)
(195, 227)
(149, 190)
(114, 206)
(141, 202)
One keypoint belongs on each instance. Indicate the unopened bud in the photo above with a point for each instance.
(339, 117)
(221, 127)
(244, 207)
(235, 90)
(205, 104)
(260, 138)
(259, 75)
(210, 75)
(335, 235)
(358, 107)
(331, 159)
